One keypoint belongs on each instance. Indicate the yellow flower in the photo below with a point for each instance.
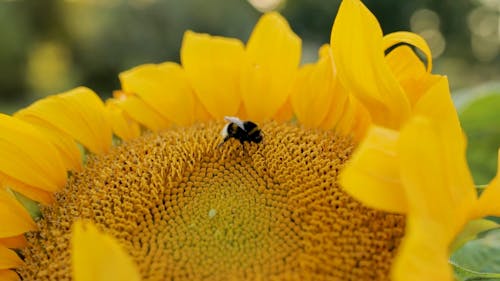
(389, 86)
(168, 203)
(424, 174)
(413, 160)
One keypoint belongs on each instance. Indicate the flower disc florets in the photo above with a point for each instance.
(187, 210)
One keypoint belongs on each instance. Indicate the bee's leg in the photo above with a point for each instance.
(223, 141)
(243, 147)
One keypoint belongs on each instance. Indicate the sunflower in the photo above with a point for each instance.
(412, 160)
(136, 187)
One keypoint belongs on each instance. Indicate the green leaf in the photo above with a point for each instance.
(471, 231)
(478, 259)
(479, 111)
(31, 206)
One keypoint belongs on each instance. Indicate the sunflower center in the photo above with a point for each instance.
(185, 209)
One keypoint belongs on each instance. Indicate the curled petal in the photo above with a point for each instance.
(372, 174)
(213, 66)
(164, 88)
(271, 61)
(358, 53)
(78, 113)
(24, 150)
(15, 219)
(99, 257)
(413, 39)
(410, 72)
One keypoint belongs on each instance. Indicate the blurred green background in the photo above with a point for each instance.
(49, 46)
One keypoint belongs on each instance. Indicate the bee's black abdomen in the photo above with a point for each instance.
(253, 132)
(246, 131)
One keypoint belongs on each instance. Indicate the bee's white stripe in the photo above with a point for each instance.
(234, 120)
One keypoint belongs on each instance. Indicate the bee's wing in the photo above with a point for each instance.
(224, 133)
(235, 120)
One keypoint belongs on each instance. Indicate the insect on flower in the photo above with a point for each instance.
(244, 131)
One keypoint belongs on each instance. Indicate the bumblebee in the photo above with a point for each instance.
(244, 131)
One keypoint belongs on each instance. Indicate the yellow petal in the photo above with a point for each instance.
(9, 275)
(141, 112)
(32, 192)
(312, 93)
(242, 113)
(15, 219)
(123, 126)
(423, 253)
(413, 39)
(438, 200)
(9, 258)
(340, 103)
(68, 149)
(372, 174)
(410, 72)
(346, 122)
(78, 113)
(28, 161)
(434, 172)
(362, 122)
(438, 107)
(200, 112)
(99, 257)
(163, 87)
(299, 95)
(213, 66)
(358, 52)
(14, 242)
(436, 104)
(269, 68)
(66, 146)
(488, 203)
(285, 113)
(354, 120)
